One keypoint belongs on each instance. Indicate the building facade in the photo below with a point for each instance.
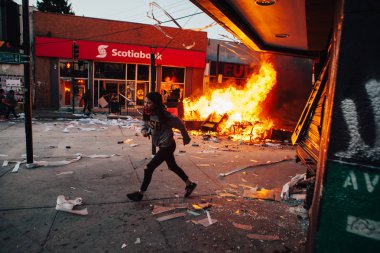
(113, 60)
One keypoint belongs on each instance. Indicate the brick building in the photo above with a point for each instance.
(114, 59)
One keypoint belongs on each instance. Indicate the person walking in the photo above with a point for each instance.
(159, 123)
(11, 103)
(3, 104)
(86, 101)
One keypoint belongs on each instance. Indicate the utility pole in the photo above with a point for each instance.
(153, 83)
(75, 57)
(152, 71)
(27, 83)
(72, 84)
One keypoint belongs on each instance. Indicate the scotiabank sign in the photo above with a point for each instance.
(116, 52)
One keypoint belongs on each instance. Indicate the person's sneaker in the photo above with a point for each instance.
(189, 189)
(135, 196)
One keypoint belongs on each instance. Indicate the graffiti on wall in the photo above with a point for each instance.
(363, 227)
(357, 148)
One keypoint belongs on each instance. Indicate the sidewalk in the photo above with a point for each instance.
(30, 223)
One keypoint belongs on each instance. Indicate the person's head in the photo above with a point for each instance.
(154, 101)
(154, 104)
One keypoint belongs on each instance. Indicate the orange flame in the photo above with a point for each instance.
(243, 106)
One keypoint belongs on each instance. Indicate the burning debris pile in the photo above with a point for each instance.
(235, 111)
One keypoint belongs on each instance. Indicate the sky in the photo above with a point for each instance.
(191, 17)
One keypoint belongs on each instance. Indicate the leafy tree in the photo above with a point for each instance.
(57, 6)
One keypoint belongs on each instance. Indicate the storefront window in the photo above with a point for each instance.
(80, 69)
(143, 72)
(172, 83)
(109, 70)
(131, 71)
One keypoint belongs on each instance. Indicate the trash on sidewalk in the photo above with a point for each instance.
(260, 194)
(288, 188)
(138, 241)
(133, 145)
(53, 163)
(16, 167)
(201, 206)
(157, 209)
(126, 141)
(67, 205)
(263, 237)
(253, 166)
(5, 163)
(123, 245)
(242, 226)
(226, 194)
(171, 216)
(205, 222)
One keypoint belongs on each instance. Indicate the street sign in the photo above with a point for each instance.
(14, 58)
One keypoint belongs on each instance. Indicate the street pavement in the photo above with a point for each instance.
(106, 170)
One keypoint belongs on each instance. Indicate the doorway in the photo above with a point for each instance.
(116, 92)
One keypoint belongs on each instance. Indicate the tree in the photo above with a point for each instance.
(57, 6)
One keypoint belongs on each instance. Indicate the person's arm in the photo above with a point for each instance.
(145, 129)
(178, 124)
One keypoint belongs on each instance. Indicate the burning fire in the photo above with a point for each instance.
(242, 106)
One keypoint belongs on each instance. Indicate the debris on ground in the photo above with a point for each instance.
(291, 186)
(242, 226)
(201, 206)
(171, 216)
(67, 205)
(265, 194)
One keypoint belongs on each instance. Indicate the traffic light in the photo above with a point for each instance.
(75, 51)
(76, 89)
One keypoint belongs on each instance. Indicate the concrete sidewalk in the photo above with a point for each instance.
(30, 223)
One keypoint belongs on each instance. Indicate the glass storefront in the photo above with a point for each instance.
(173, 83)
(125, 84)
(66, 71)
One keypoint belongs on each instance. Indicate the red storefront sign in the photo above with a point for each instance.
(117, 52)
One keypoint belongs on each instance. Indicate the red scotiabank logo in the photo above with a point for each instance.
(137, 54)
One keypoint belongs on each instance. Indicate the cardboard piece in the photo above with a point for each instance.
(170, 216)
(242, 226)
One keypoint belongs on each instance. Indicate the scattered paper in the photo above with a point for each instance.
(123, 245)
(5, 163)
(205, 222)
(262, 194)
(138, 241)
(133, 145)
(171, 216)
(16, 167)
(67, 205)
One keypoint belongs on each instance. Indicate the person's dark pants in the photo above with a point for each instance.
(164, 154)
(11, 109)
(86, 105)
